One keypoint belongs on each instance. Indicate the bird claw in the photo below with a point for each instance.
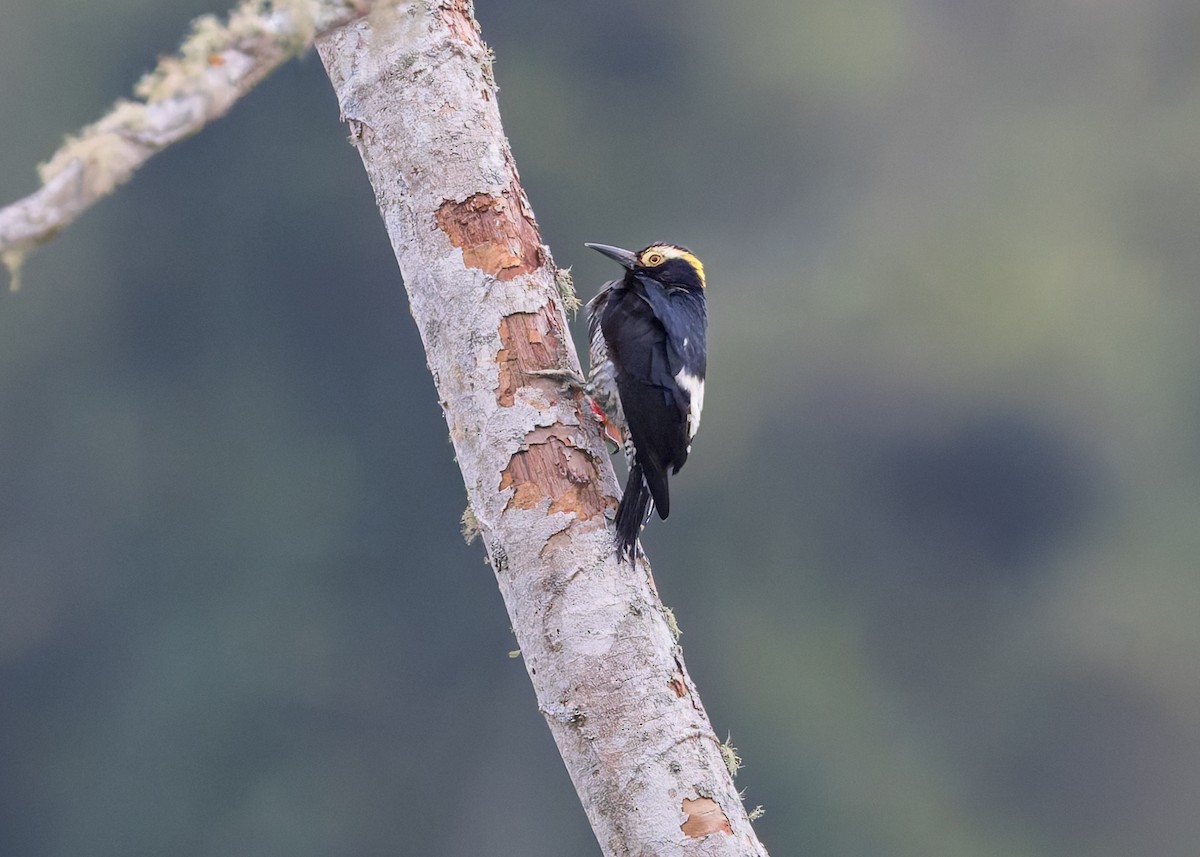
(567, 377)
(577, 383)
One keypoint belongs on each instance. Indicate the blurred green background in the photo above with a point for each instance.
(936, 556)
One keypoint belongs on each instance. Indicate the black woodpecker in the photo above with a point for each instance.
(648, 352)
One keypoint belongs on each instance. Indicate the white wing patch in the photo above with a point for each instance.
(695, 390)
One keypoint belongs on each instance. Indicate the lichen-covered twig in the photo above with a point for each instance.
(218, 63)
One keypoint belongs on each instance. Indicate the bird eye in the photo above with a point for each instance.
(650, 260)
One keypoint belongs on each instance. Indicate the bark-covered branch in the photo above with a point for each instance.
(420, 103)
(217, 64)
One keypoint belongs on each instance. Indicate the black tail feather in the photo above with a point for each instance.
(632, 512)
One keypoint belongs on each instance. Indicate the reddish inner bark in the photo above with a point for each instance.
(552, 466)
(704, 817)
(495, 234)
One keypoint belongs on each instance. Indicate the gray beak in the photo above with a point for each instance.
(623, 256)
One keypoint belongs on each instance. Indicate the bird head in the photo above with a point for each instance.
(669, 264)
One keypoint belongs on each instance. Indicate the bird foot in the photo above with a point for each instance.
(576, 383)
(569, 378)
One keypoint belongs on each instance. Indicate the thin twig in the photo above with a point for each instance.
(217, 63)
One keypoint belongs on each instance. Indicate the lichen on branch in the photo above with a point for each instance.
(217, 63)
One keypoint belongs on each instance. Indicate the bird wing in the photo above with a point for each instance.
(602, 380)
(684, 316)
(655, 407)
(597, 349)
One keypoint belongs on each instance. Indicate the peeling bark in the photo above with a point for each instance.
(496, 236)
(528, 339)
(704, 817)
(416, 91)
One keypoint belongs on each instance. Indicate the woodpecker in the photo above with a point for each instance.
(648, 349)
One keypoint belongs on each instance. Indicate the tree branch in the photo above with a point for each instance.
(420, 102)
(216, 65)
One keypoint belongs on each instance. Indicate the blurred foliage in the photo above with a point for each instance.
(935, 557)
